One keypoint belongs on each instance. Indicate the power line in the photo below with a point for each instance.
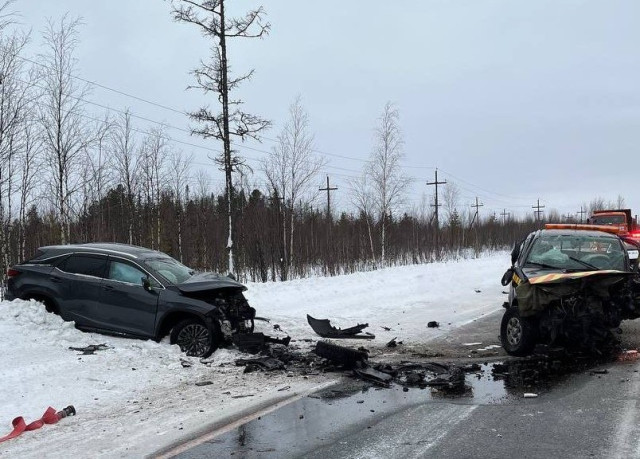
(246, 147)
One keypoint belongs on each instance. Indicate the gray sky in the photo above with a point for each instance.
(512, 100)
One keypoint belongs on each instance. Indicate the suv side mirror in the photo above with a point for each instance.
(515, 253)
(146, 284)
(506, 277)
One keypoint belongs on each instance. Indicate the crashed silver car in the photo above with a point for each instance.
(569, 287)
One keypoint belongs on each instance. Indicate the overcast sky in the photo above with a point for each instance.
(513, 101)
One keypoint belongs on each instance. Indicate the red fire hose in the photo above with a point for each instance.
(49, 417)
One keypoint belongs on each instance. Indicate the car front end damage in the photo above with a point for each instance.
(578, 309)
(569, 287)
(231, 318)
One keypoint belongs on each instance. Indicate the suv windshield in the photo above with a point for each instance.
(172, 270)
(577, 252)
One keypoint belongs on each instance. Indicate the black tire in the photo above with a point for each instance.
(517, 334)
(195, 338)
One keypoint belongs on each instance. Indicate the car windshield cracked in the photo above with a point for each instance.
(575, 252)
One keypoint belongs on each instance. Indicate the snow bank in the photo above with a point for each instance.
(136, 397)
(404, 298)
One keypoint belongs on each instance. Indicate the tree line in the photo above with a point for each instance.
(68, 176)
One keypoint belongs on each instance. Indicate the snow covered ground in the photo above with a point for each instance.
(136, 397)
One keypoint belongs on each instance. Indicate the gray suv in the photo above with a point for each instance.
(133, 291)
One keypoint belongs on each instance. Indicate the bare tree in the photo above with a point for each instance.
(450, 199)
(153, 157)
(597, 203)
(16, 94)
(388, 182)
(362, 198)
(292, 166)
(65, 131)
(124, 161)
(179, 166)
(31, 162)
(213, 77)
(98, 175)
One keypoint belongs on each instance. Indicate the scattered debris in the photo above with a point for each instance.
(530, 395)
(261, 363)
(433, 324)
(90, 349)
(340, 355)
(393, 342)
(385, 328)
(600, 372)
(252, 343)
(284, 388)
(471, 344)
(204, 383)
(277, 327)
(477, 291)
(184, 363)
(242, 396)
(376, 377)
(324, 328)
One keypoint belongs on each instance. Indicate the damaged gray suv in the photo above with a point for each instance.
(132, 291)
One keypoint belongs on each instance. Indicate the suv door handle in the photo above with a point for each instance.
(55, 279)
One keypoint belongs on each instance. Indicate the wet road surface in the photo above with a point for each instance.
(586, 413)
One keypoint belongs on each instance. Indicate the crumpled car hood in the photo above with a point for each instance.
(539, 292)
(208, 281)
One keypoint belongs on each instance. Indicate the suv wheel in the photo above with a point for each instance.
(194, 338)
(517, 334)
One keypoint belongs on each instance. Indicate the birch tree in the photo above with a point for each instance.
(291, 167)
(214, 77)
(388, 182)
(362, 199)
(153, 158)
(124, 162)
(65, 130)
(179, 167)
(16, 94)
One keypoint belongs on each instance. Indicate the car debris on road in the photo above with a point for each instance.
(324, 328)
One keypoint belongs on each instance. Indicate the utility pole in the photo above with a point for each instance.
(328, 189)
(581, 213)
(504, 215)
(537, 212)
(477, 205)
(436, 205)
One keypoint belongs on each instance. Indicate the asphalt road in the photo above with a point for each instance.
(584, 414)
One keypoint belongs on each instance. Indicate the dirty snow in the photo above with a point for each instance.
(136, 397)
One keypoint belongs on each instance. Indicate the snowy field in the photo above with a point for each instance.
(137, 397)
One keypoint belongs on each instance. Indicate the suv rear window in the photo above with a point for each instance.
(89, 265)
